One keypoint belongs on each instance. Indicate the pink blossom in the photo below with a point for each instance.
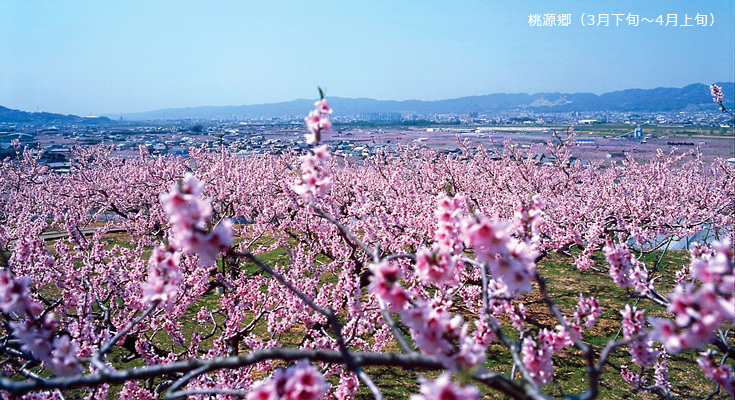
(383, 284)
(429, 325)
(305, 382)
(517, 317)
(321, 153)
(208, 246)
(588, 310)
(664, 331)
(633, 321)
(318, 122)
(720, 374)
(322, 107)
(315, 180)
(442, 388)
(715, 266)
(435, 331)
(448, 215)
(529, 218)
(483, 334)
(487, 238)
(630, 377)
(203, 315)
(583, 263)
(682, 304)
(683, 274)
(184, 205)
(717, 95)
(189, 213)
(700, 310)
(299, 382)
(347, 387)
(310, 138)
(35, 335)
(471, 352)
(556, 341)
(661, 369)
(642, 352)
(64, 356)
(133, 391)
(509, 259)
(164, 276)
(13, 293)
(625, 269)
(263, 390)
(537, 358)
(35, 331)
(641, 349)
(439, 268)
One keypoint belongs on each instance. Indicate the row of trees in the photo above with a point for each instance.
(380, 256)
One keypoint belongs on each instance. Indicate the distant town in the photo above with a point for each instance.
(708, 118)
(599, 135)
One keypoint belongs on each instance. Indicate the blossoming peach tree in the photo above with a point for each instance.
(421, 261)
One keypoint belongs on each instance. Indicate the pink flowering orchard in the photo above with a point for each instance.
(419, 262)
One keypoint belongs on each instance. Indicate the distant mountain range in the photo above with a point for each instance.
(16, 116)
(690, 98)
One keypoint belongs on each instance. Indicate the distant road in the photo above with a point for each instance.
(54, 235)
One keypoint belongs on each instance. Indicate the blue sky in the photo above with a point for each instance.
(112, 56)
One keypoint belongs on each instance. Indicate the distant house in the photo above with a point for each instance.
(60, 167)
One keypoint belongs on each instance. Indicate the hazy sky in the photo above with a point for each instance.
(112, 56)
